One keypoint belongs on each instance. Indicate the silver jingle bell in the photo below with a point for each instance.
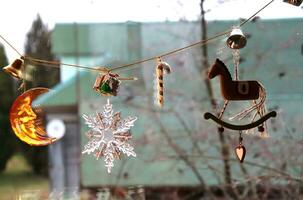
(236, 39)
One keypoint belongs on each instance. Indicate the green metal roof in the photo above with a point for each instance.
(61, 94)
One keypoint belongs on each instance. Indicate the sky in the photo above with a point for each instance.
(16, 16)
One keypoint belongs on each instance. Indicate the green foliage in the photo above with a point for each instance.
(7, 138)
(37, 158)
(38, 45)
(18, 179)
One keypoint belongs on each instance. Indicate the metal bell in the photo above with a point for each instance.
(293, 2)
(15, 69)
(236, 39)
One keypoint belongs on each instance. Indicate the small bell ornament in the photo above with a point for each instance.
(236, 39)
(15, 69)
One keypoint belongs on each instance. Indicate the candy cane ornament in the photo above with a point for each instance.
(161, 67)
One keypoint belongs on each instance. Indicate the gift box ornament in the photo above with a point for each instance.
(107, 84)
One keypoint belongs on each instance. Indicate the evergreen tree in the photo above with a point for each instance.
(7, 138)
(38, 45)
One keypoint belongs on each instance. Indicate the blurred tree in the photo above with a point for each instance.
(7, 140)
(224, 146)
(38, 45)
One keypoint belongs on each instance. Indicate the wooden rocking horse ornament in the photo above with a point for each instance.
(239, 90)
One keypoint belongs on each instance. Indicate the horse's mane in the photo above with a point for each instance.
(218, 61)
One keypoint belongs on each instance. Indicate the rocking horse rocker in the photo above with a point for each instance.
(233, 90)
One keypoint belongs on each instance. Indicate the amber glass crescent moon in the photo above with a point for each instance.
(25, 122)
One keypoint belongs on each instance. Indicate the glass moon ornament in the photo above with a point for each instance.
(25, 120)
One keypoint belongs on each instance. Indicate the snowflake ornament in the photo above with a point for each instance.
(109, 135)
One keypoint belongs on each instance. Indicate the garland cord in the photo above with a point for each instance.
(105, 69)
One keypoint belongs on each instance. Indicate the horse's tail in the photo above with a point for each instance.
(258, 105)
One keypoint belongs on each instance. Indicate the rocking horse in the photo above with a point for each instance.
(239, 90)
(235, 90)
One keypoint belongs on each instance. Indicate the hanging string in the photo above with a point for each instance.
(24, 85)
(223, 109)
(57, 64)
(236, 59)
(245, 21)
(116, 68)
(203, 42)
(240, 138)
(9, 44)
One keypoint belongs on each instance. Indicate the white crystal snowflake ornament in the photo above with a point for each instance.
(108, 135)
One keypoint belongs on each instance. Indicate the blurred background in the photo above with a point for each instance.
(180, 155)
